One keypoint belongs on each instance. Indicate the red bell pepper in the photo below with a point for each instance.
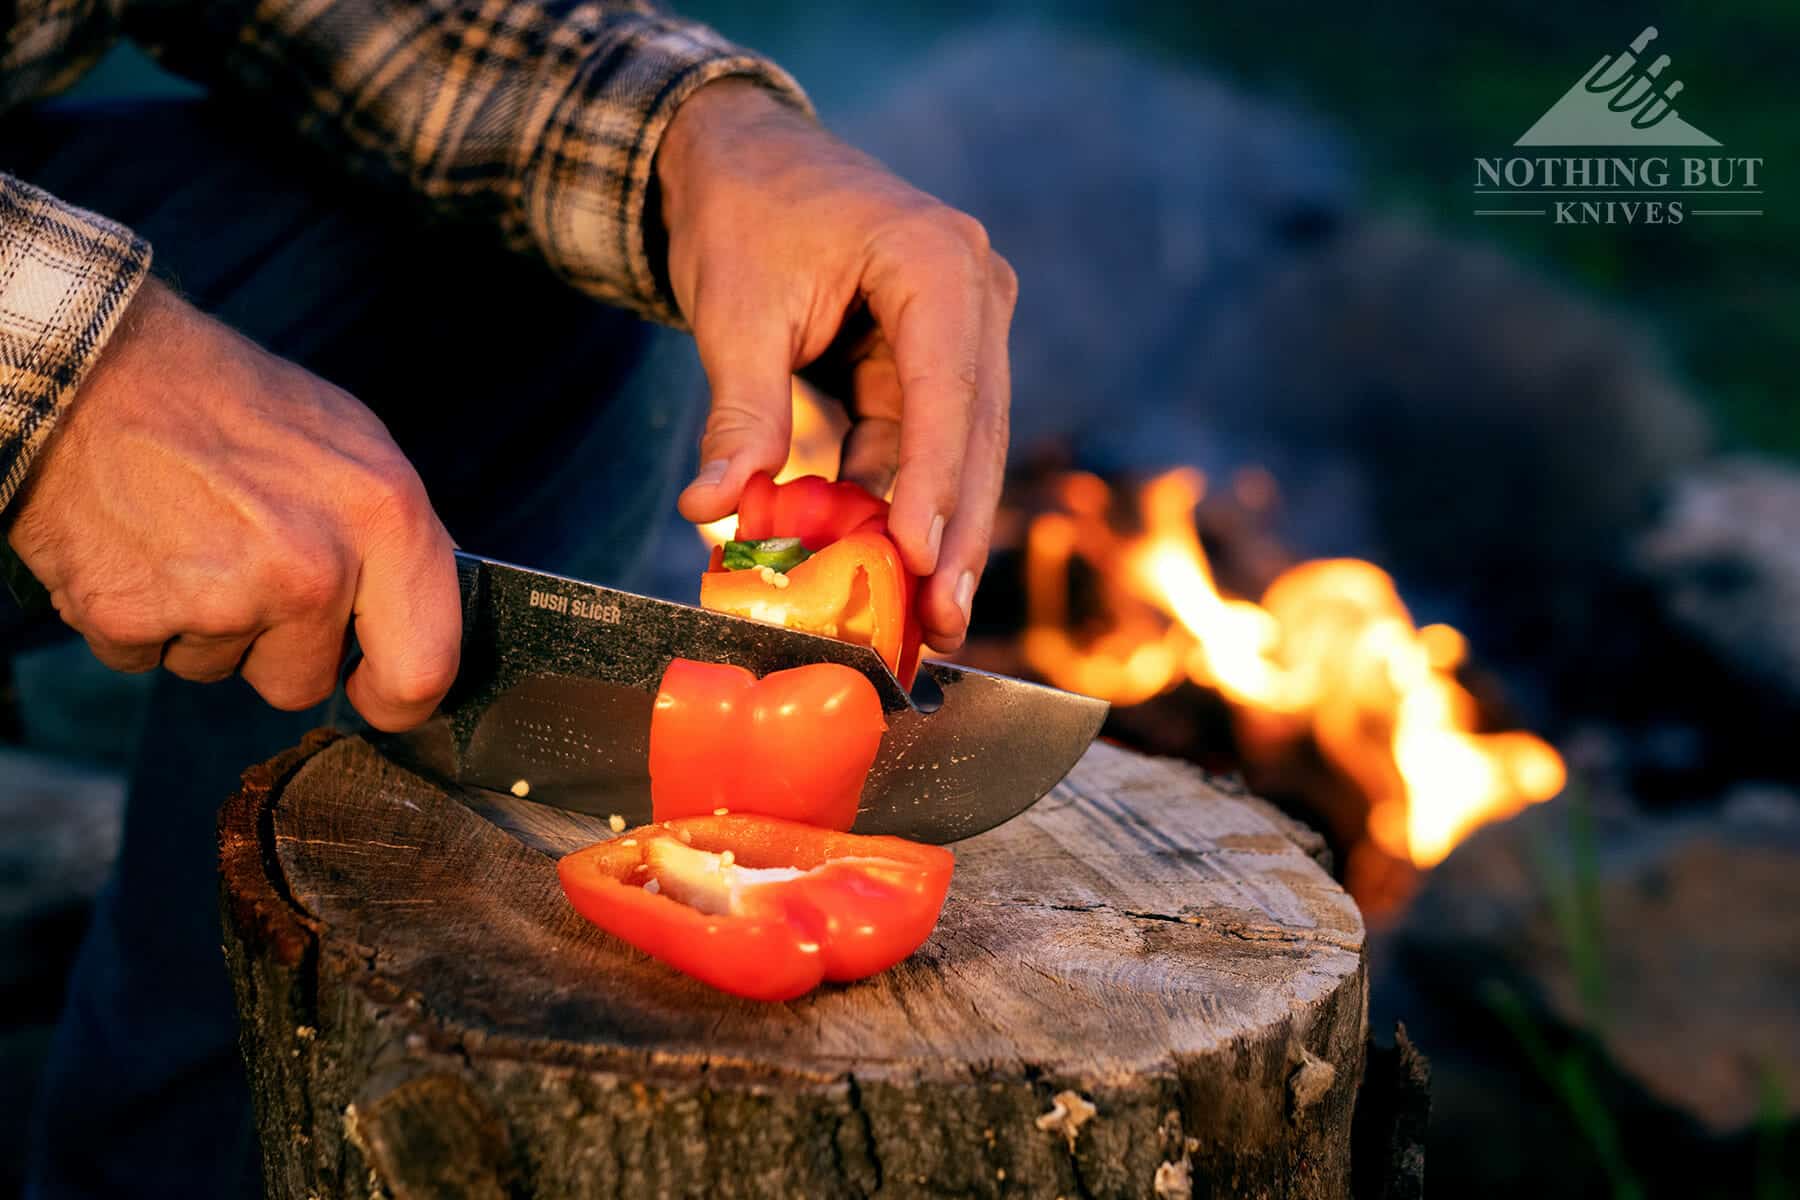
(759, 907)
(795, 744)
(849, 581)
(811, 508)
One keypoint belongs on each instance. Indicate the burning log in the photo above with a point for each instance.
(423, 1015)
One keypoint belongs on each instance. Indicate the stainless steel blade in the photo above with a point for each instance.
(558, 679)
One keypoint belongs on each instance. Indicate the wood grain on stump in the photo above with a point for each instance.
(424, 1015)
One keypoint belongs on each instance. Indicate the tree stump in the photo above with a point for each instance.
(424, 1015)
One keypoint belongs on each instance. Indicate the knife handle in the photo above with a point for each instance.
(469, 583)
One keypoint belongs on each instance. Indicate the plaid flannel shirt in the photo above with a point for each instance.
(541, 117)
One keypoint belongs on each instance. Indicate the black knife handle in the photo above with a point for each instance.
(469, 582)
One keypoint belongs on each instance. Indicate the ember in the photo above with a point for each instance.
(1330, 654)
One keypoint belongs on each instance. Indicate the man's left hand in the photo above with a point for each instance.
(789, 249)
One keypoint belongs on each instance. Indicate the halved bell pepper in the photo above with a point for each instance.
(855, 589)
(759, 907)
(853, 585)
(795, 744)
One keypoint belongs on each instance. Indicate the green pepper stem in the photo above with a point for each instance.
(779, 554)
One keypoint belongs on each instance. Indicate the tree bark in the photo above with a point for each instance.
(423, 1014)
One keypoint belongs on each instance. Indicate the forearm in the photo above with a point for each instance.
(66, 275)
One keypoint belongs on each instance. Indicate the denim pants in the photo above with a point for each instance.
(549, 430)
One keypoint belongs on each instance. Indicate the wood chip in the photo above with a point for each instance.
(1309, 1081)
(1173, 1181)
(1072, 1110)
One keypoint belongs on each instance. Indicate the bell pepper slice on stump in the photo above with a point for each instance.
(851, 584)
(795, 744)
(760, 907)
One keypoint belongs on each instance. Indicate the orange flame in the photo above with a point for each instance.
(1330, 652)
(817, 442)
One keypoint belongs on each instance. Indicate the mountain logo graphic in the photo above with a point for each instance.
(1621, 101)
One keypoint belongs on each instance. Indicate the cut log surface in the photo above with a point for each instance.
(424, 1015)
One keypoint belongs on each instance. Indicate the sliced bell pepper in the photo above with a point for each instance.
(855, 589)
(795, 744)
(759, 907)
(852, 586)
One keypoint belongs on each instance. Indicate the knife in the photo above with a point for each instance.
(559, 678)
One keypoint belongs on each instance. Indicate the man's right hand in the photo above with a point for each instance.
(207, 506)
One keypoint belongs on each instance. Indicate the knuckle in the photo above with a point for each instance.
(296, 695)
(421, 683)
(220, 612)
(114, 619)
(970, 233)
(968, 377)
(416, 689)
(1006, 280)
(936, 474)
(311, 579)
(996, 426)
(727, 421)
(391, 495)
(999, 442)
(929, 237)
(964, 375)
(129, 660)
(201, 672)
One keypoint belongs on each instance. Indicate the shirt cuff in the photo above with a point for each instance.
(65, 278)
(586, 195)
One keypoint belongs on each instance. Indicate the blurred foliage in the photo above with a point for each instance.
(1772, 1179)
(1421, 89)
(1570, 1070)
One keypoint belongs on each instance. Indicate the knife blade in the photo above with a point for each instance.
(559, 678)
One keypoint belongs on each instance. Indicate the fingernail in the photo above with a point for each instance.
(965, 595)
(934, 537)
(712, 474)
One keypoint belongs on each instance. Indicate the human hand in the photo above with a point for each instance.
(207, 506)
(789, 250)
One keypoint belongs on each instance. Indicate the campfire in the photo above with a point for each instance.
(1329, 654)
(1336, 701)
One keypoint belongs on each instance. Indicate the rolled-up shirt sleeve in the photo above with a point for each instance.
(584, 191)
(539, 119)
(66, 275)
